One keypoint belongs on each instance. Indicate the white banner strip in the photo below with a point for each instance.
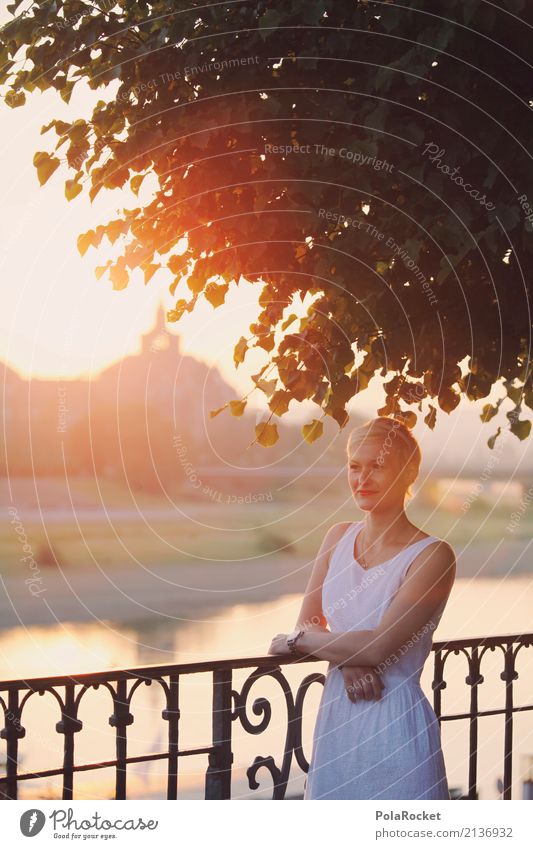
(242, 824)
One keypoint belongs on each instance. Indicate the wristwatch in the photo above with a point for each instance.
(293, 638)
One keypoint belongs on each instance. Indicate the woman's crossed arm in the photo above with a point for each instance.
(426, 587)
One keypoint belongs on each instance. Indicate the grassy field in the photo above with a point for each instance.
(204, 530)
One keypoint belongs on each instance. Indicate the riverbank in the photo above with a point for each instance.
(187, 592)
(179, 593)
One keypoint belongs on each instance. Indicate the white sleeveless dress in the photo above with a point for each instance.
(386, 749)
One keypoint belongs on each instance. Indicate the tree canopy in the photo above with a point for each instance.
(372, 155)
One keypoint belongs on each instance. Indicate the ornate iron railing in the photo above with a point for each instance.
(229, 706)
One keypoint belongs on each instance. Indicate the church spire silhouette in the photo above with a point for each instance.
(158, 338)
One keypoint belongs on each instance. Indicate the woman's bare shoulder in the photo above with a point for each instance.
(438, 555)
(338, 530)
(330, 540)
(440, 548)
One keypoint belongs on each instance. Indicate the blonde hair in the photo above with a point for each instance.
(388, 429)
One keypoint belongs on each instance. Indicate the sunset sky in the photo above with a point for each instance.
(57, 319)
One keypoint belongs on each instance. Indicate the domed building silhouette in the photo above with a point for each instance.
(135, 406)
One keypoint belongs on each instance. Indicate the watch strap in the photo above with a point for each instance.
(293, 639)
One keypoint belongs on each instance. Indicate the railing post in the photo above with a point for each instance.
(172, 715)
(68, 726)
(12, 733)
(438, 684)
(508, 675)
(474, 678)
(218, 775)
(120, 720)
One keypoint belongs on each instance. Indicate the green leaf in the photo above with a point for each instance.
(101, 269)
(196, 281)
(240, 351)
(292, 317)
(267, 342)
(521, 428)
(488, 412)
(493, 438)
(266, 386)
(312, 431)
(77, 130)
(12, 7)
(66, 91)
(266, 434)
(213, 413)
(72, 189)
(119, 275)
(46, 165)
(431, 417)
(237, 407)
(279, 403)
(149, 271)
(448, 399)
(340, 415)
(408, 417)
(15, 98)
(85, 241)
(135, 183)
(216, 294)
(180, 307)
(114, 229)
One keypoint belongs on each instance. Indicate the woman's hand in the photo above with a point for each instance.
(279, 645)
(362, 682)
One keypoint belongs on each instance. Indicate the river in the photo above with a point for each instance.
(477, 607)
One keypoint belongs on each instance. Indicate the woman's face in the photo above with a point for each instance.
(375, 476)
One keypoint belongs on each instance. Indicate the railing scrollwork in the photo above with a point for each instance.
(235, 706)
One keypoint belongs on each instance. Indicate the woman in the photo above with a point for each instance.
(381, 585)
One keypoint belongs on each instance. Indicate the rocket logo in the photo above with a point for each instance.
(32, 822)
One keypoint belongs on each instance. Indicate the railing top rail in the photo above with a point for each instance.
(151, 671)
